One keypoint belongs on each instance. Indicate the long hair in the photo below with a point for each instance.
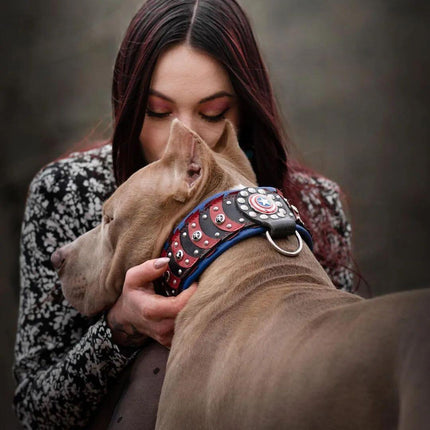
(220, 29)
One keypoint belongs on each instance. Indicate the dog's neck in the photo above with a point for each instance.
(219, 223)
(250, 269)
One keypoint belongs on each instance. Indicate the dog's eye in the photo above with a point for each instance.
(107, 219)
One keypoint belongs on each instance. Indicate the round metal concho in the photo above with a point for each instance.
(284, 251)
(219, 219)
(197, 235)
(263, 204)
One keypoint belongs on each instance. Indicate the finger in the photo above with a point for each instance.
(164, 331)
(185, 295)
(145, 273)
(160, 307)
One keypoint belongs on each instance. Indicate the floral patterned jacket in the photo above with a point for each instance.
(64, 362)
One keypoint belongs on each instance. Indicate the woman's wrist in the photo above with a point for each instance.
(124, 335)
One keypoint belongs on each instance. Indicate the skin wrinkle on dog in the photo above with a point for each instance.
(267, 341)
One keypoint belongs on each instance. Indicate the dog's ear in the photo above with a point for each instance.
(185, 156)
(228, 146)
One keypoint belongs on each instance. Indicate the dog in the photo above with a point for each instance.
(267, 341)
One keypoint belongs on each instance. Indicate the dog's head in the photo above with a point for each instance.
(142, 212)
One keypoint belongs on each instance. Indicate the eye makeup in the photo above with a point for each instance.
(214, 118)
(157, 107)
(214, 107)
(211, 109)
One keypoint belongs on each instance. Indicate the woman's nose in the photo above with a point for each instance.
(187, 120)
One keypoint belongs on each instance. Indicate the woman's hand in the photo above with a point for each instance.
(140, 313)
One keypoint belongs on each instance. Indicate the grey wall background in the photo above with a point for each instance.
(351, 78)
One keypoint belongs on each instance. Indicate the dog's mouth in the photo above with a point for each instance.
(58, 261)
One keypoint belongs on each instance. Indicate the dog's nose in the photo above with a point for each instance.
(57, 259)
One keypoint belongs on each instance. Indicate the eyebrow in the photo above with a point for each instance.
(217, 95)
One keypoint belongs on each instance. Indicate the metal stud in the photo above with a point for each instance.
(244, 207)
(263, 216)
(173, 292)
(204, 216)
(217, 234)
(241, 200)
(253, 214)
(228, 202)
(262, 191)
(193, 225)
(206, 242)
(184, 234)
(169, 254)
(196, 252)
(180, 272)
(174, 282)
(187, 261)
(175, 244)
(279, 204)
(274, 216)
(244, 193)
(241, 220)
(228, 225)
(180, 254)
(216, 208)
(252, 190)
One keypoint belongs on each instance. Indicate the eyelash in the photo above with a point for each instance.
(215, 118)
(157, 115)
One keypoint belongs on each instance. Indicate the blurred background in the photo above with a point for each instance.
(352, 80)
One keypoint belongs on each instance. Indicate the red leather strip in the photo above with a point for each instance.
(216, 210)
(205, 242)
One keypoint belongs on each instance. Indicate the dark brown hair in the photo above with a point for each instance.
(220, 29)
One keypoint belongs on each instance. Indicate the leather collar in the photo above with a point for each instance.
(221, 221)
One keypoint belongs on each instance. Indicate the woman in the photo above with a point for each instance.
(192, 59)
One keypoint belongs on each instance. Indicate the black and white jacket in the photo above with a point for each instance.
(64, 362)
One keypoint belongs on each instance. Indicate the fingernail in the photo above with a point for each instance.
(161, 262)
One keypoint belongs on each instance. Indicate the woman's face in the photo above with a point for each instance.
(193, 87)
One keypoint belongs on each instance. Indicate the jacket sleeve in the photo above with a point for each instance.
(339, 264)
(330, 227)
(64, 362)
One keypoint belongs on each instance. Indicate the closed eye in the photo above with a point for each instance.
(215, 118)
(157, 114)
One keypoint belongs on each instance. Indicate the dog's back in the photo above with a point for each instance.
(279, 348)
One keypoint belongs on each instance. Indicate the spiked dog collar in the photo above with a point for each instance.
(221, 221)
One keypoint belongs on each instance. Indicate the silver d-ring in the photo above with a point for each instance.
(283, 251)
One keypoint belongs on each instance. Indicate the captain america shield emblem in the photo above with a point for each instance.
(263, 204)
